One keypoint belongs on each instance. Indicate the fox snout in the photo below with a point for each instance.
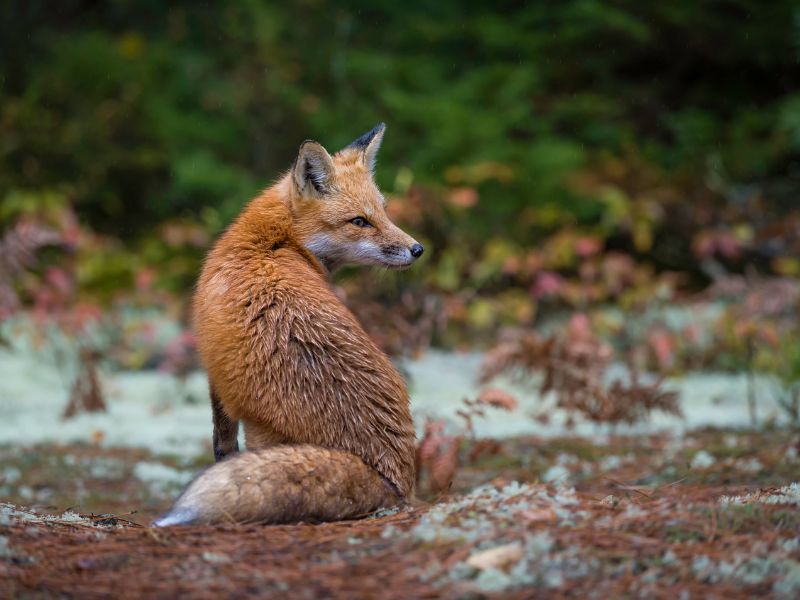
(396, 249)
(402, 256)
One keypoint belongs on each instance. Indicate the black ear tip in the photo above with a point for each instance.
(377, 130)
(365, 139)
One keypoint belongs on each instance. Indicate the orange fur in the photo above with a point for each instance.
(290, 361)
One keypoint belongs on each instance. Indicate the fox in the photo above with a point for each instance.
(326, 416)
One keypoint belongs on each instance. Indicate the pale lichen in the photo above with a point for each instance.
(161, 478)
(702, 460)
(788, 494)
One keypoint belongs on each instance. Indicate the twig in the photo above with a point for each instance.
(628, 488)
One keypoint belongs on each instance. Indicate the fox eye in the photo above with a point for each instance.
(360, 222)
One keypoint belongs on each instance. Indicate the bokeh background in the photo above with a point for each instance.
(609, 196)
(636, 167)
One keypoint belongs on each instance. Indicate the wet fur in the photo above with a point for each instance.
(325, 413)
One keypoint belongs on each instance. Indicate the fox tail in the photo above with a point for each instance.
(283, 484)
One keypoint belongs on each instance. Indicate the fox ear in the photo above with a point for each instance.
(369, 144)
(313, 169)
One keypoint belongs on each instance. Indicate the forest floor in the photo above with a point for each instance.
(704, 514)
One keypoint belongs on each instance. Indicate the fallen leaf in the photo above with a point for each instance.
(538, 514)
(496, 558)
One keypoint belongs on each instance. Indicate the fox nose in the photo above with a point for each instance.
(417, 250)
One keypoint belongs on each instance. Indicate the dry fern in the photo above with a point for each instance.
(437, 457)
(19, 248)
(86, 394)
(574, 367)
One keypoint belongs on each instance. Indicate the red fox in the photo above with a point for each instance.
(325, 413)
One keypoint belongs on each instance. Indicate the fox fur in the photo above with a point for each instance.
(326, 415)
(283, 484)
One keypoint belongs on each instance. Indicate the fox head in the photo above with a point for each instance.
(338, 213)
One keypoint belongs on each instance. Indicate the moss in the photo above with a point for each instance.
(680, 534)
(499, 462)
(747, 518)
(581, 448)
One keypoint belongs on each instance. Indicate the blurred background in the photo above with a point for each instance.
(619, 173)
(608, 192)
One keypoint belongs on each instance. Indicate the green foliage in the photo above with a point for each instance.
(517, 131)
(143, 111)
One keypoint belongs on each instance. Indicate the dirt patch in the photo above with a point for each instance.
(682, 540)
(616, 517)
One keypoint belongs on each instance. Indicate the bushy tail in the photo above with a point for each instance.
(283, 484)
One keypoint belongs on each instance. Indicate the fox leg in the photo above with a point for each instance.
(226, 430)
(257, 436)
